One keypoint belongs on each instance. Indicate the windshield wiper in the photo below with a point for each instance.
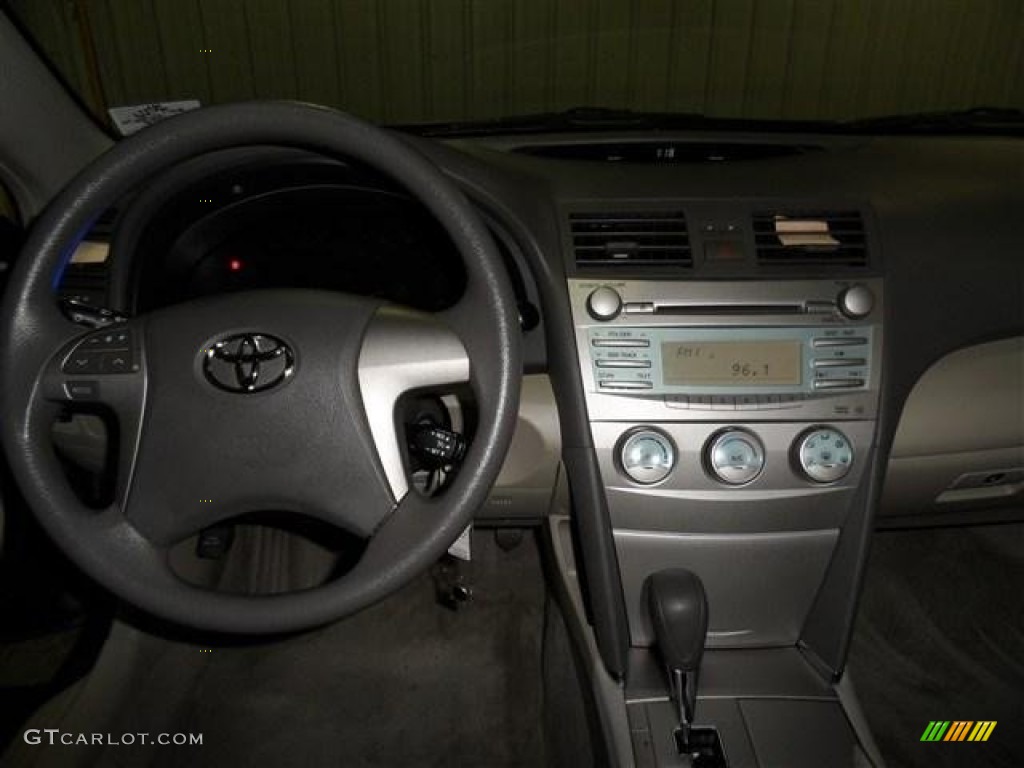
(976, 120)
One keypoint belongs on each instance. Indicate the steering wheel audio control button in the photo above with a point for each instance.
(106, 351)
(81, 390)
(81, 361)
(116, 362)
(96, 362)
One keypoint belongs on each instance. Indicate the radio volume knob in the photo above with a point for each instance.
(604, 303)
(857, 301)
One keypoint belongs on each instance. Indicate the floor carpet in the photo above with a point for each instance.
(940, 636)
(404, 683)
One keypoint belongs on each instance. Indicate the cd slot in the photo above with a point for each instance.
(729, 309)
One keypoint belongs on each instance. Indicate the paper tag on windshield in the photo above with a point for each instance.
(460, 548)
(129, 120)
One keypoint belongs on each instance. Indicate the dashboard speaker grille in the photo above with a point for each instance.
(810, 239)
(635, 238)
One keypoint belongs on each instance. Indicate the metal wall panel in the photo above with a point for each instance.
(421, 60)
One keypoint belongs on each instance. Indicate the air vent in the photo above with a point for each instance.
(810, 239)
(86, 275)
(656, 239)
(85, 282)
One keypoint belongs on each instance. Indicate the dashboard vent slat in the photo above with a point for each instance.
(641, 238)
(810, 239)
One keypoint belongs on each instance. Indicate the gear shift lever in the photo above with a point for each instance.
(679, 613)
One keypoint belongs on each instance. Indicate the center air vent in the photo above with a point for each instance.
(657, 238)
(810, 239)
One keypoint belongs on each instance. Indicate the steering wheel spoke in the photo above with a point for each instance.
(98, 371)
(404, 351)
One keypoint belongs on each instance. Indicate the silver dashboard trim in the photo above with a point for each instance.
(760, 586)
(728, 494)
(402, 351)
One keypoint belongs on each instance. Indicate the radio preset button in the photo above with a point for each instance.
(838, 362)
(625, 384)
(840, 341)
(838, 383)
(767, 402)
(620, 342)
(647, 456)
(723, 403)
(677, 401)
(823, 455)
(734, 457)
(604, 303)
(623, 363)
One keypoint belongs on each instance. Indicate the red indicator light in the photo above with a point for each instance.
(235, 265)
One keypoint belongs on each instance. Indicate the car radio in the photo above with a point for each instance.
(812, 346)
(744, 361)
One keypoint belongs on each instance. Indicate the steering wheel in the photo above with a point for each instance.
(264, 400)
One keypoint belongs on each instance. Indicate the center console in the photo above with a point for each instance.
(733, 423)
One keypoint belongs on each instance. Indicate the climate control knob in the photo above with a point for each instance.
(734, 457)
(647, 455)
(823, 454)
(604, 303)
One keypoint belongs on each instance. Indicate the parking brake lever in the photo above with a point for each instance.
(679, 614)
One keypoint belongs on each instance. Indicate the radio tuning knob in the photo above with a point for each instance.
(604, 303)
(857, 301)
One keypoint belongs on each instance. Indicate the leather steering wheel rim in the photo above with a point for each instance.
(125, 546)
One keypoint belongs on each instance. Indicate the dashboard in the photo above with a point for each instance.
(731, 251)
(726, 310)
(740, 362)
(743, 352)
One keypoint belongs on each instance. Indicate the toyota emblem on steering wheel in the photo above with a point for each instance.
(248, 362)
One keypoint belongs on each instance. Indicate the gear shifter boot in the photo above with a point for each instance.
(679, 614)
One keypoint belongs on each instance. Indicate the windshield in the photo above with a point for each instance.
(443, 61)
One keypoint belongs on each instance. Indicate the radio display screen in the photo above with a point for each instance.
(724, 363)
